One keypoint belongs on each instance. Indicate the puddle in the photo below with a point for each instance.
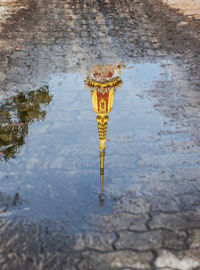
(49, 144)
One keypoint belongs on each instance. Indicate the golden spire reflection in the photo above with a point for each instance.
(103, 82)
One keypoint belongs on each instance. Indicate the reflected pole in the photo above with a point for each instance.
(102, 128)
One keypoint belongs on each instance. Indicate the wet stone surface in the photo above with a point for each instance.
(50, 213)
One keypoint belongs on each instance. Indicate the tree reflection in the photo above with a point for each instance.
(16, 114)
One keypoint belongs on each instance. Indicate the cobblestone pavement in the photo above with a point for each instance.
(188, 8)
(152, 226)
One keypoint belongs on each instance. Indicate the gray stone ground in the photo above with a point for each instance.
(160, 230)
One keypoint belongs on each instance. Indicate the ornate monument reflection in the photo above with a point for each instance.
(103, 82)
(16, 114)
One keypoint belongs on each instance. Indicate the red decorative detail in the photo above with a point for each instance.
(100, 75)
(101, 96)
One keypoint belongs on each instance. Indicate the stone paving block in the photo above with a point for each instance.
(194, 238)
(116, 260)
(189, 202)
(117, 222)
(164, 268)
(178, 221)
(183, 260)
(139, 241)
(186, 7)
(174, 240)
(164, 204)
(183, 202)
(96, 241)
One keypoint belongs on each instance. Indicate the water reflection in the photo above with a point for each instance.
(103, 83)
(16, 114)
